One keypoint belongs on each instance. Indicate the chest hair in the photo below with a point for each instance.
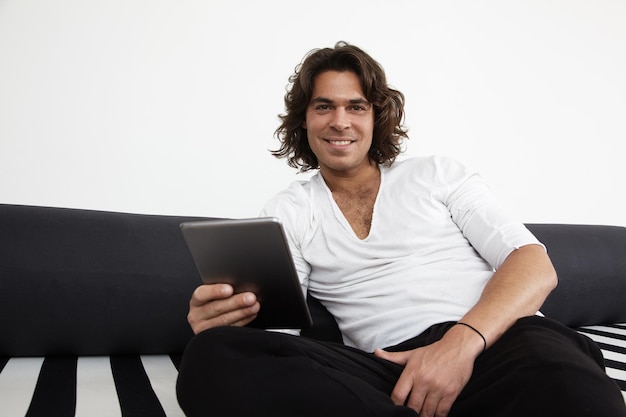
(357, 206)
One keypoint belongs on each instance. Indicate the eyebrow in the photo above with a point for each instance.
(329, 101)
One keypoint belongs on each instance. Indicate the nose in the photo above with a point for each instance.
(340, 120)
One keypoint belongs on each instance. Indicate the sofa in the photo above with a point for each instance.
(93, 307)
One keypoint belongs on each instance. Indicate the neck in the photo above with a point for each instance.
(339, 181)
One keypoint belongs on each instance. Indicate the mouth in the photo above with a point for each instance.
(342, 142)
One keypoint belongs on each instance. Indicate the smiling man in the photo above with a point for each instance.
(435, 289)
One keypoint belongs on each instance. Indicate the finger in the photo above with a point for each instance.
(431, 403)
(238, 317)
(443, 409)
(236, 307)
(399, 358)
(201, 320)
(206, 293)
(403, 388)
(426, 407)
(247, 320)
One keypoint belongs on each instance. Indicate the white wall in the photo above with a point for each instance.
(155, 106)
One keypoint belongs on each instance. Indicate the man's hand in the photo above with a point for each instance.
(215, 305)
(434, 375)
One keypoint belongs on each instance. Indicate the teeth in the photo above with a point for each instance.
(340, 142)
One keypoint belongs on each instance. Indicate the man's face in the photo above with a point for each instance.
(339, 123)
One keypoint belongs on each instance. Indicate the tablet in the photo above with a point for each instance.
(251, 255)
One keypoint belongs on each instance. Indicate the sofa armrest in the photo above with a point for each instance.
(590, 261)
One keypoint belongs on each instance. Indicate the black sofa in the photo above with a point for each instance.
(93, 307)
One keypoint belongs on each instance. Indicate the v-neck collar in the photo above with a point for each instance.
(341, 218)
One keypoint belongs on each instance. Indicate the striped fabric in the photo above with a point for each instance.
(612, 341)
(89, 386)
(145, 385)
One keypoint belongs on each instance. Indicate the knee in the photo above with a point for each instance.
(212, 338)
(555, 365)
(547, 347)
(213, 358)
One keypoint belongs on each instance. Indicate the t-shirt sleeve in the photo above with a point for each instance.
(480, 216)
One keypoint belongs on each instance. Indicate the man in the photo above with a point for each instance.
(415, 257)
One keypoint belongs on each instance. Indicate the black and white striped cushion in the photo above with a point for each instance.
(89, 386)
(145, 385)
(612, 341)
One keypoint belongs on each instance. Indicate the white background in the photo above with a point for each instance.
(169, 107)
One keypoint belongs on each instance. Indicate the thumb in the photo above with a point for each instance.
(400, 358)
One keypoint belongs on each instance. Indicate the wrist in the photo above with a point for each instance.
(467, 338)
(469, 326)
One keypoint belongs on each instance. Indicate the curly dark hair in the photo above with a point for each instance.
(388, 104)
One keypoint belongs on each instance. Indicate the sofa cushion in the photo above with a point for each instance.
(590, 261)
(85, 282)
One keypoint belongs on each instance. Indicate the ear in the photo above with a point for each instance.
(304, 125)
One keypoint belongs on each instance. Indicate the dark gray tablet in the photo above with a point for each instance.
(251, 255)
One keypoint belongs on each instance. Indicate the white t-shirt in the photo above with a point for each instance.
(437, 234)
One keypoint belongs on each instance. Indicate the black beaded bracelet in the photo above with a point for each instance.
(479, 333)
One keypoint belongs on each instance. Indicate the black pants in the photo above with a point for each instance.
(537, 368)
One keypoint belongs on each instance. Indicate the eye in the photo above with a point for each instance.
(323, 108)
(359, 106)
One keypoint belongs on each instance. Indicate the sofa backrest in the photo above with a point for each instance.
(86, 282)
(590, 261)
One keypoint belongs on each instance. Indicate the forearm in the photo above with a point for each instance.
(439, 371)
(517, 289)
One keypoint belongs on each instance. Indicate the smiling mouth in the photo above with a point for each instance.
(339, 142)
